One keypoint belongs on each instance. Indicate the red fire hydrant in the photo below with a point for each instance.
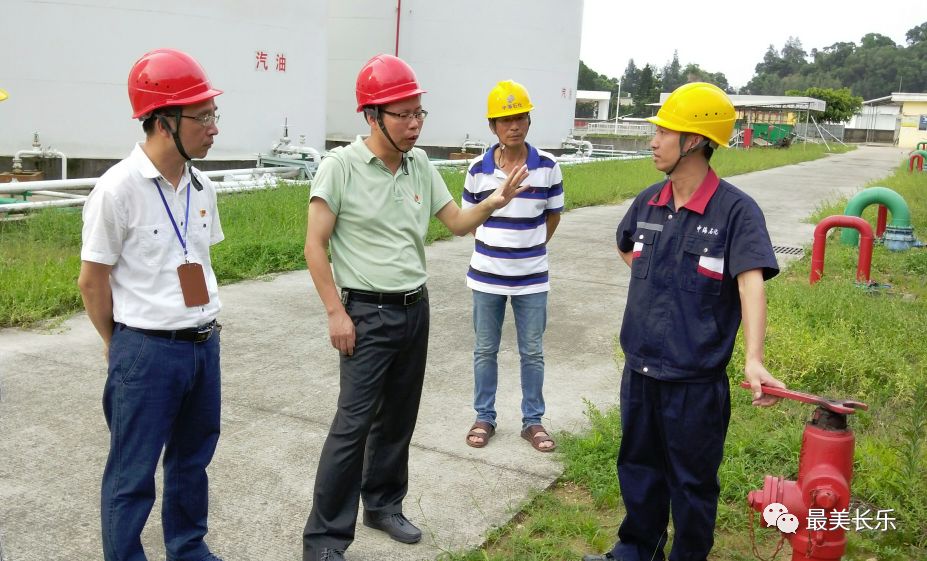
(825, 468)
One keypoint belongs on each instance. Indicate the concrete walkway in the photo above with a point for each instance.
(281, 382)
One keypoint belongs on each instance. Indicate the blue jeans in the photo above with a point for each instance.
(160, 394)
(530, 322)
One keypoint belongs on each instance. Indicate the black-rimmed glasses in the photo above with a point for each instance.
(417, 115)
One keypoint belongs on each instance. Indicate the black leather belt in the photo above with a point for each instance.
(385, 298)
(195, 334)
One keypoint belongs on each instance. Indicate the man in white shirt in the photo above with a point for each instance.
(149, 289)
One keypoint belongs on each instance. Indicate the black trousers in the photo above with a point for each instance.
(366, 453)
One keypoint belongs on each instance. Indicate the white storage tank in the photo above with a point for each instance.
(65, 66)
(459, 51)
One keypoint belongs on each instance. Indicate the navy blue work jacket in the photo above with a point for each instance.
(683, 308)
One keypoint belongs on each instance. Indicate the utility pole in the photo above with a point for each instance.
(618, 107)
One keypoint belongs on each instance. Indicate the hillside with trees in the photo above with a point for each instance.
(876, 67)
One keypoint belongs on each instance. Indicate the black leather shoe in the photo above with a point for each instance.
(396, 525)
(603, 557)
(329, 554)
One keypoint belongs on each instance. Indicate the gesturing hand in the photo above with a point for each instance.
(509, 188)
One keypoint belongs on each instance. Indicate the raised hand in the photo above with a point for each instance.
(509, 188)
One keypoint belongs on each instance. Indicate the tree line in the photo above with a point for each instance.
(843, 74)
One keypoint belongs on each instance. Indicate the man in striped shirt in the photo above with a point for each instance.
(510, 261)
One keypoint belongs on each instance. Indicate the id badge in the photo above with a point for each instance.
(193, 284)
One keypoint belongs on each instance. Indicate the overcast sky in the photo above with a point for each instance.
(729, 36)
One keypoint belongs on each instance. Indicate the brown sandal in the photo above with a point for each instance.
(532, 435)
(485, 436)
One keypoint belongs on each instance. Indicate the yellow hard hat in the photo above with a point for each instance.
(507, 98)
(3, 94)
(699, 108)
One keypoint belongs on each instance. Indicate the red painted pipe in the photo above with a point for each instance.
(398, 16)
(920, 162)
(863, 265)
(880, 222)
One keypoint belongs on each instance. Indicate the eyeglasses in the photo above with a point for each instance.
(417, 115)
(205, 120)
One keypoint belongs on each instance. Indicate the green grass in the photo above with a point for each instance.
(40, 257)
(39, 260)
(265, 232)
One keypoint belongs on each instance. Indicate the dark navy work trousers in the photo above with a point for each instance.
(671, 448)
(366, 453)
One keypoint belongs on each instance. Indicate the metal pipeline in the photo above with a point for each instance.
(899, 235)
(79, 200)
(583, 147)
(44, 153)
(881, 221)
(87, 183)
(36, 205)
(863, 264)
(269, 179)
(918, 157)
(478, 144)
(37, 151)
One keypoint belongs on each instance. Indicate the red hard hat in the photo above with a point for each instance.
(164, 78)
(385, 79)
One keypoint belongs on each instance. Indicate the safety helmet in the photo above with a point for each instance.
(507, 98)
(698, 108)
(165, 78)
(385, 79)
(3, 94)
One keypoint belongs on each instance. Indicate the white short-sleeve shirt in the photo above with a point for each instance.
(127, 226)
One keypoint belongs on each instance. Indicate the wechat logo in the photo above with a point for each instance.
(775, 514)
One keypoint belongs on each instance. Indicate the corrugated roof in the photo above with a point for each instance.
(897, 98)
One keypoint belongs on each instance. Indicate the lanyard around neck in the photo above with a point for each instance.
(186, 219)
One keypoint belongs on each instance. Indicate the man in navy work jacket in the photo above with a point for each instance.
(699, 253)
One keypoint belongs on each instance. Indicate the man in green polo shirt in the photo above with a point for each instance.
(370, 203)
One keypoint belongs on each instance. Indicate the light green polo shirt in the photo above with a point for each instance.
(378, 243)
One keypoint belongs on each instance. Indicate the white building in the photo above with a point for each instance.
(65, 65)
(459, 51)
(601, 100)
(905, 114)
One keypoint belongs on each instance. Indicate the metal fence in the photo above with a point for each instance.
(810, 131)
(621, 129)
(646, 130)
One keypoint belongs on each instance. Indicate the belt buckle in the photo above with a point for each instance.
(204, 333)
(410, 298)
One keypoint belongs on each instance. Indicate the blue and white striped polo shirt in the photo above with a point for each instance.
(510, 253)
